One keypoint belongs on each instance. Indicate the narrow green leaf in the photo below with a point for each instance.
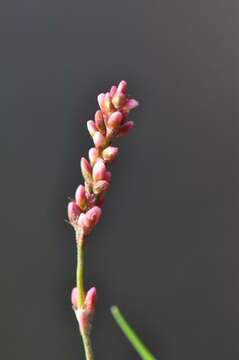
(141, 349)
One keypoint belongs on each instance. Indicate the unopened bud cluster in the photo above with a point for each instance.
(109, 122)
(84, 313)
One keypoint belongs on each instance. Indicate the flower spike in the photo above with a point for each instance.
(84, 212)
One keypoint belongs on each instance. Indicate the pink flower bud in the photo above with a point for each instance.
(111, 133)
(99, 170)
(107, 176)
(125, 110)
(100, 186)
(113, 90)
(84, 223)
(115, 119)
(74, 296)
(91, 127)
(99, 121)
(80, 197)
(122, 87)
(73, 212)
(99, 115)
(119, 99)
(93, 215)
(93, 155)
(91, 200)
(86, 170)
(110, 153)
(90, 300)
(125, 128)
(132, 103)
(99, 140)
(88, 220)
(101, 99)
(108, 107)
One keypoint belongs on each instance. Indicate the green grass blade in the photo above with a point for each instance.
(141, 349)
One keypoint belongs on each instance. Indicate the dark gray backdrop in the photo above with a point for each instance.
(166, 250)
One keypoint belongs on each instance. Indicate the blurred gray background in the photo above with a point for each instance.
(166, 250)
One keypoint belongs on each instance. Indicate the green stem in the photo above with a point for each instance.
(141, 349)
(87, 346)
(81, 293)
(80, 273)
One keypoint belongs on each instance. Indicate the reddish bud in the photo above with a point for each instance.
(119, 100)
(101, 99)
(125, 128)
(132, 103)
(113, 90)
(93, 155)
(93, 215)
(125, 111)
(99, 170)
(100, 186)
(99, 121)
(91, 127)
(74, 297)
(111, 133)
(86, 170)
(99, 115)
(84, 223)
(99, 140)
(90, 300)
(80, 197)
(73, 212)
(107, 176)
(88, 220)
(115, 119)
(122, 87)
(91, 200)
(110, 153)
(108, 107)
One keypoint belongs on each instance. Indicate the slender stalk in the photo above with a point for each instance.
(85, 334)
(80, 274)
(87, 346)
(141, 349)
